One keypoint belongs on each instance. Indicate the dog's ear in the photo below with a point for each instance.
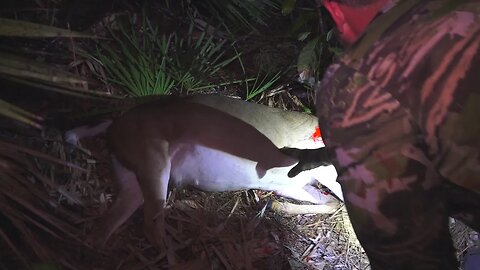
(307, 159)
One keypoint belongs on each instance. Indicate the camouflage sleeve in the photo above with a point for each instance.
(401, 117)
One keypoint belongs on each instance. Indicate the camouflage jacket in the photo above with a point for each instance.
(401, 113)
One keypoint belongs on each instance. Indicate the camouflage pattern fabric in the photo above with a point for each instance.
(400, 112)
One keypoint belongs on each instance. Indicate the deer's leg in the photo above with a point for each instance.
(306, 194)
(327, 176)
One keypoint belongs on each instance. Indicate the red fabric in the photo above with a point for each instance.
(359, 18)
(352, 21)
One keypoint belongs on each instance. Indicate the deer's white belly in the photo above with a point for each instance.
(213, 170)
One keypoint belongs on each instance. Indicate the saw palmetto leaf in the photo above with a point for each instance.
(24, 67)
(30, 72)
(27, 206)
(235, 14)
(16, 28)
(149, 64)
(19, 114)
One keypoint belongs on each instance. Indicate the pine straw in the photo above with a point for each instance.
(463, 237)
(327, 242)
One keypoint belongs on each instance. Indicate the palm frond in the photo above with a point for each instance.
(26, 206)
(198, 59)
(31, 72)
(235, 15)
(149, 64)
(19, 114)
(137, 63)
(16, 28)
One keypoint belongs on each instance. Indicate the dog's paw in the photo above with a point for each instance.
(71, 137)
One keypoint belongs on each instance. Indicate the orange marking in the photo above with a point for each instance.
(317, 135)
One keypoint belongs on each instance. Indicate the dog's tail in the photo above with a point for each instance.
(74, 135)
